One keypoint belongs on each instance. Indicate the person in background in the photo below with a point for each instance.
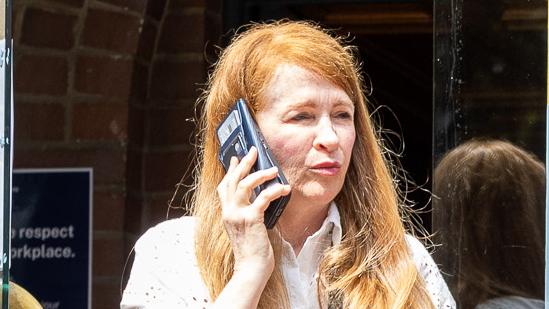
(499, 191)
(340, 242)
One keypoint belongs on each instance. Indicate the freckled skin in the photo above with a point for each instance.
(307, 121)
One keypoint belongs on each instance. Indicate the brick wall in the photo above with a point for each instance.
(110, 84)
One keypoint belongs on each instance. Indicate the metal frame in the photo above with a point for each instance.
(7, 148)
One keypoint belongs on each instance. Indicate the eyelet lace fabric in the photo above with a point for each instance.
(165, 273)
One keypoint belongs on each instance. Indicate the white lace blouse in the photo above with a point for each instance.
(165, 272)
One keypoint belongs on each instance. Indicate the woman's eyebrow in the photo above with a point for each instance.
(299, 104)
(346, 102)
(309, 103)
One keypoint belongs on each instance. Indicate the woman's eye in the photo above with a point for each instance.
(344, 115)
(302, 116)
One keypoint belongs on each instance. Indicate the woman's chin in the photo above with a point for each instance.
(315, 195)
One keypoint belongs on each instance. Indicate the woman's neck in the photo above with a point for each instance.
(301, 220)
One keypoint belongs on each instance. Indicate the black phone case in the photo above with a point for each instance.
(236, 139)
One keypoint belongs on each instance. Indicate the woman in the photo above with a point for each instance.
(498, 191)
(340, 241)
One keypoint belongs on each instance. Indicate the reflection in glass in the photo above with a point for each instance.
(498, 189)
(490, 83)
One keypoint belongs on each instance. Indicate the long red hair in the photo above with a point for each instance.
(372, 266)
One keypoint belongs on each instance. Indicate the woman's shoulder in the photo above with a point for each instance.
(173, 231)
(417, 249)
(165, 273)
(421, 257)
(419, 254)
(169, 243)
(430, 273)
(185, 224)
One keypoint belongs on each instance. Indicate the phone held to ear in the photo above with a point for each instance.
(237, 134)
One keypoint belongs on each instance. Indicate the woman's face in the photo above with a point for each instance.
(309, 126)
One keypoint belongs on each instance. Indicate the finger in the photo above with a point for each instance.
(237, 171)
(270, 194)
(246, 185)
(223, 184)
(232, 164)
(245, 166)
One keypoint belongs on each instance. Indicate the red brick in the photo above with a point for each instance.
(184, 185)
(214, 5)
(108, 210)
(177, 80)
(133, 216)
(170, 126)
(134, 176)
(100, 122)
(108, 256)
(136, 127)
(40, 74)
(134, 5)
(160, 210)
(164, 210)
(106, 294)
(212, 31)
(105, 76)
(184, 4)
(109, 165)
(39, 122)
(182, 34)
(71, 3)
(140, 83)
(164, 170)
(147, 41)
(111, 30)
(155, 9)
(180, 193)
(47, 29)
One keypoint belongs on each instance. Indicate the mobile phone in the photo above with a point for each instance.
(237, 133)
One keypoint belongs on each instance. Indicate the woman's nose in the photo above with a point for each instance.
(326, 138)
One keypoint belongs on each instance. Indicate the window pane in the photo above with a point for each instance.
(489, 144)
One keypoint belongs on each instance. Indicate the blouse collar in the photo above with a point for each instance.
(332, 223)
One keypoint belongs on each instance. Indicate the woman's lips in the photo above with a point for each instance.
(326, 168)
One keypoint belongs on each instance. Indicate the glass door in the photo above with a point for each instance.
(489, 142)
(6, 141)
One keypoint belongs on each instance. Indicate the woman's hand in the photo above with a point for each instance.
(243, 219)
